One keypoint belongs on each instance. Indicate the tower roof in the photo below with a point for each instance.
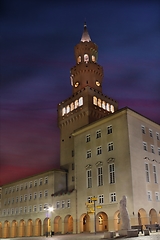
(85, 35)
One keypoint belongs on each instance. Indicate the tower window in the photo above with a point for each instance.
(79, 59)
(86, 58)
(112, 108)
(99, 102)
(108, 107)
(95, 100)
(80, 101)
(93, 58)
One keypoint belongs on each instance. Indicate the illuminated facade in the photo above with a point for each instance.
(105, 153)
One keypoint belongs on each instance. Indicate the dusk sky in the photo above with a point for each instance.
(37, 39)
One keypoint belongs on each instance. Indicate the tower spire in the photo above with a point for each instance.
(85, 35)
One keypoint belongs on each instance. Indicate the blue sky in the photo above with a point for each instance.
(37, 52)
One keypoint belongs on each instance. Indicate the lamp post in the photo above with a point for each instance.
(94, 199)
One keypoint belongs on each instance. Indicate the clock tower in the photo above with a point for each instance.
(87, 102)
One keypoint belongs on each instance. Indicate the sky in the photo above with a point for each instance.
(37, 39)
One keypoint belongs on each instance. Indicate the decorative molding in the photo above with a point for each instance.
(88, 166)
(99, 163)
(111, 160)
(151, 160)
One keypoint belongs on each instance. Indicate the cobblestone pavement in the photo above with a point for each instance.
(98, 236)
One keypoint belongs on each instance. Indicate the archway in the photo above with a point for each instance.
(101, 222)
(46, 225)
(153, 216)
(85, 223)
(0, 229)
(58, 224)
(142, 217)
(22, 228)
(117, 221)
(13, 229)
(29, 228)
(37, 229)
(6, 229)
(68, 224)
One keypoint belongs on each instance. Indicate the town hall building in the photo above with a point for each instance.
(105, 153)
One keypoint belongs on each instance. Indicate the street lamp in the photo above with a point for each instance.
(49, 209)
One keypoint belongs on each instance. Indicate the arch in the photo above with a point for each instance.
(117, 221)
(6, 229)
(58, 224)
(21, 228)
(153, 218)
(0, 230)
(142, 217)
(38, 227)
(85, 223)
(101, 222)
(14, 229)
(29, 232)
(68, 224)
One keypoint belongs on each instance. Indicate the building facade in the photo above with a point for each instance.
(105, 153)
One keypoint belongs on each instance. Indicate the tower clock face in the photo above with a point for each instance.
(98, 83)
(76, 84)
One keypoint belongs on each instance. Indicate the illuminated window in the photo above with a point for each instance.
(93, 58)
(89, 178)
(95, 100)
(108, 107)
(80, 101)
(99, 102)
(99, 176)
(112, 108)
(63, 111)
(79, 59)
(103, 104)
(86, 58)
(68, 109)
(72, 106)
(113, 197)
(76, 103)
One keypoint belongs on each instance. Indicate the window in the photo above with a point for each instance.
(108, 107)
(99, 176)
(8, 201)
(157, 135)
(113, 197)
(46, 180)
(30, 196)
(150, 133)
(79, 59)
(6, 190)
(95, 100)
(21, 187)
(30, 184)
(89, 199)
(34, 208)
(99, 150)
(9, 190)
(149, 195)
(111, 173)
(16, 199)
(112, 108)
(68, 203)
(30, 209)
(98, 134)
(4, 212)
(46, 193)
(25, 186)
(147, 172)
(143, 129)
(40, 181)
(35, 195)
(159, 151)
(99, 102)
(155, 174)
(20, 210)
(8, 211)
(152, 149)
(57, 204)
(86, 58)
(72, 178)
(17, 188)
(21, 198)
(40, 207)
(25, 197)
(145, 146)
(157, 196)
(100, 199)
(63, 204)
(110, 146)
(93, 58)
(109, 129)
(80, 101)
(89, 178)
(25, 209)
(12, 211)
(35, 183)
(88, 138)
(16, 211)
(12, 200)
(40, 194)
(88, 155)
(72, 166)
(13, 189)
(72, 153)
